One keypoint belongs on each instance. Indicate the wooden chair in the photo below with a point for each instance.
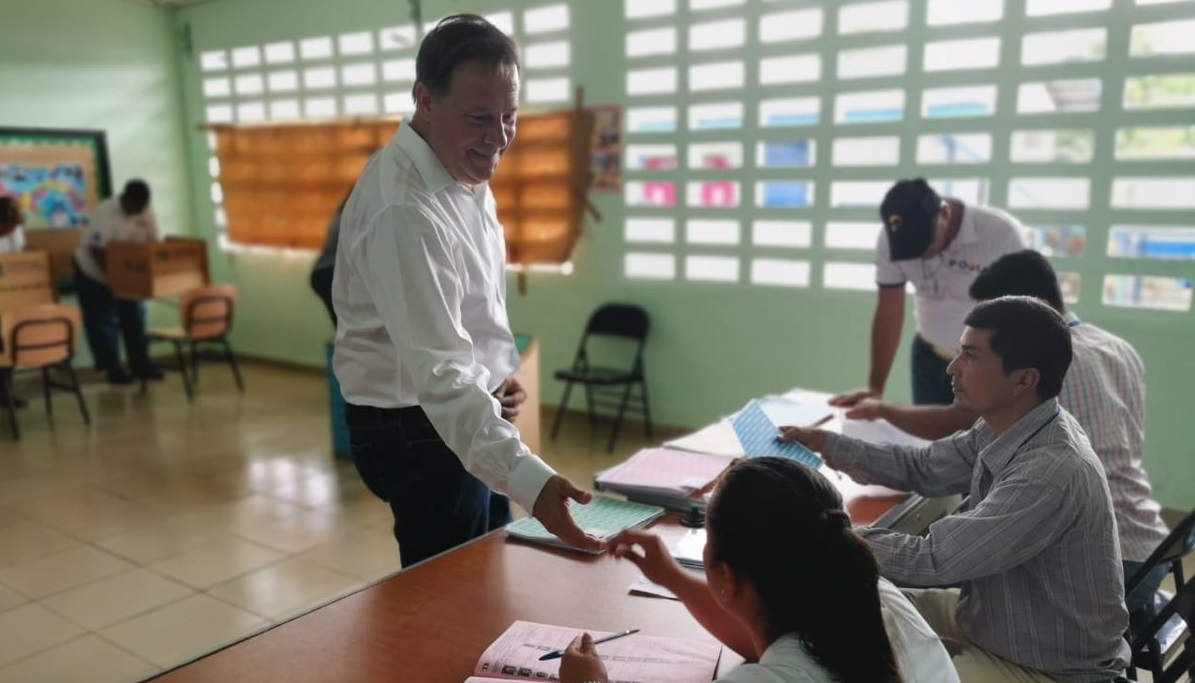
(41, 338)
(206, 314)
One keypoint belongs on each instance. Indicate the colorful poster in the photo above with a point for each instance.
(605, 171)
(56, 176)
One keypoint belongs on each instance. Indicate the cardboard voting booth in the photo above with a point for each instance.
(60, 244)
(161, 269)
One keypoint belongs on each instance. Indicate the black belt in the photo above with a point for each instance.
(369, 415)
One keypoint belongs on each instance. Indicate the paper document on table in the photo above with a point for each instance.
(666, 468)
(784, 411)
(635, 659)
(645, 586)
(602, 517)
(758, 435)
(689, 550)
(718, 438)
(880, 431)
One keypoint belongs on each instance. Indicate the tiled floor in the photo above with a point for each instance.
(169, 529)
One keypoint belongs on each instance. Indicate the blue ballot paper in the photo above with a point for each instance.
(758, 435)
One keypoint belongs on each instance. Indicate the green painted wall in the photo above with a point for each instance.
(102, 64)
(278, 316)
(713, 346)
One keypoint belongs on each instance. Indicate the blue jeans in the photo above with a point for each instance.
(106, 320)
(437, 505)
(931, 384)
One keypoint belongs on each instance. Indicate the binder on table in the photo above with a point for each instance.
(669, 477)
(602, 517)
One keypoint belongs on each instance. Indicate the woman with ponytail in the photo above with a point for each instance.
(788, 585)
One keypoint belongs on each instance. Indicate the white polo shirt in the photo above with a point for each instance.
(108, 222)
(419, 289)
(941, 284)
(13, 242)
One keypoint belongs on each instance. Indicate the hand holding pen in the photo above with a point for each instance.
(556, 654)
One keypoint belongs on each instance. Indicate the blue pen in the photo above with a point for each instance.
(557, 654)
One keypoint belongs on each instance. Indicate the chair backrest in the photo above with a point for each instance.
(1155, 637)
(618, 320)
(207, 311)
(39, 336)
(1169, 552)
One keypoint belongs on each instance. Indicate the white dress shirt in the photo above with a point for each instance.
(13, 242)
(942, 283)
(109, 222)
(420, 293)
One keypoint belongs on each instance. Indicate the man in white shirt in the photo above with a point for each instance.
(939, 244)
(424, 353)
(127, 218)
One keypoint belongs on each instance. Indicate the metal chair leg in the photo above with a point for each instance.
(232, 362)
(10, 402)
(195, 364)
(182, 365)
(78, 390)
(589, 403)
(646, 410)
(568, 386)
(622, 407)
(46, 389)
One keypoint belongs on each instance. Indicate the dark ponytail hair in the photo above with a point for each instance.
(781, 526)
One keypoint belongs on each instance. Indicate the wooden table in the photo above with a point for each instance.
(432, 621)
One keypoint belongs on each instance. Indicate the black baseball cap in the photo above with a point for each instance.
(909, 212)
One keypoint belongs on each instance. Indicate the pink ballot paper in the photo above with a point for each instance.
(634, 659)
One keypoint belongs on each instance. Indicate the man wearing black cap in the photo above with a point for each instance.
(940, 245)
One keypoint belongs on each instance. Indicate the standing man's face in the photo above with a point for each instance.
(472, 124)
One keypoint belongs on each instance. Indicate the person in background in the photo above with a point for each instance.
(788, 585)
(12, 241)
(107, 319)
(424, 353)
(1105, 391)
(1035, 551)
(938, 244)
(325, 264)
(12, 236)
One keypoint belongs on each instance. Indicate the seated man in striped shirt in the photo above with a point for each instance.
(1105, 391)
(1035, 552)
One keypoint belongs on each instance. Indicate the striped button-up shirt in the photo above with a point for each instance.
(1105, 391)
(1036, 551)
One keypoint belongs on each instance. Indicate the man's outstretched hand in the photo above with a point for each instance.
(551, 509)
